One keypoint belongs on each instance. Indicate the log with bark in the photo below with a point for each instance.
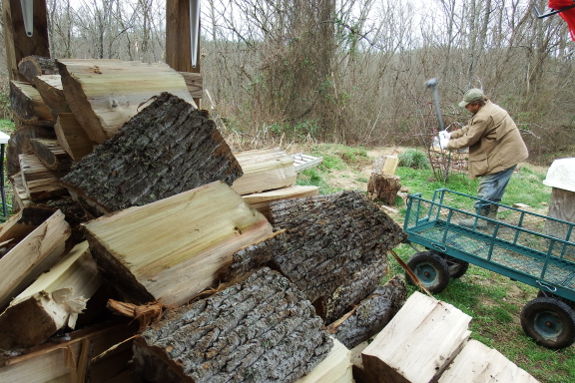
(172, 249)
(35, 254)
(105, 94)
(51, 154)
(40, 182)
(20, 143)
(267, 169)
(28, 105)
(371, 315)
(262, 329)
(53, 301)
(32, 66)
(261, 201)
(72, 138)
(166, 149)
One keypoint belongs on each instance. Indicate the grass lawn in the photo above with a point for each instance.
(492, 300)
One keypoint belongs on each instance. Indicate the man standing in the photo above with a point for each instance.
(495, 149)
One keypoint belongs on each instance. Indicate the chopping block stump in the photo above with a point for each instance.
(383, 187)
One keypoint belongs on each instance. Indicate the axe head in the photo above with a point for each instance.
(431, 83)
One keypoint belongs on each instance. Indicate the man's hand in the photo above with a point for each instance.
(443, 139)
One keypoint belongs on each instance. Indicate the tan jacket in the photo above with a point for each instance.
(494, 141)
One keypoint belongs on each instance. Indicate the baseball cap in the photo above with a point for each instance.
(472, 95)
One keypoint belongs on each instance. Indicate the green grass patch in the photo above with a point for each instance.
(6, 126)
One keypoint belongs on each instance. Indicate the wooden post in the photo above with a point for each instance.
(178, 44)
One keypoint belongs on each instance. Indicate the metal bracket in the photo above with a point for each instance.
(549, 287)
(194, 6)
(540, 16)
(28, 16)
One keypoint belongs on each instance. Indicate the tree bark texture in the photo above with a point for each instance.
(28, 105)
(166, 149)
(20, 143)
(262, 330)
(32, 66)
(383, 187)
(334, 249)
(371, 315)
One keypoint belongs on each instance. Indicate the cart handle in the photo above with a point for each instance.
(441, 248)
(547, 286)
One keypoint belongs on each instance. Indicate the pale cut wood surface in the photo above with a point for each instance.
(173, 248)
(105, 94)
(28, 105)
(195, 84)
(21, 196)
(54, 300)
(72, 137)
(261, 201)
(477, 363)
(385, 165)
(40, 182)
(35, 254)
(52, 92)
(335, 368)
(264, 170)
(418, 343)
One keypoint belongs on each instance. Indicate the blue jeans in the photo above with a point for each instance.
(491, 188)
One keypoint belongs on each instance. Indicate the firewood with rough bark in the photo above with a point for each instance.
(51, 154)
(32, 66)
(172, 249)
(262, 329)
(53, 301)
(40, 182)
(371, 315)
(72, 138)
(20, 143)
(167, 148)
(105, 94)
(28, 105)
(261, 201)
(35, 254)
(333, 248)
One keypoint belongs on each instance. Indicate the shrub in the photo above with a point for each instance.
(413, 158)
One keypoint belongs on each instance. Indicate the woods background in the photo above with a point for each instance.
(348, 71)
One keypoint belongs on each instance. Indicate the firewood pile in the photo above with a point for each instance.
(142, 248)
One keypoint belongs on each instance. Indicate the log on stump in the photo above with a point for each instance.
(166, 149)
(53, 301)
(28, 105)
(418, 344)
(333, 248)
(35, 254)
(73, 358)
(262, 329)
(383, 187)
(385, 165)
(52, 93)
(174, 248)
(51, 154)
(371, 315)
(72, 138)
(32, 66)
(20, 143)
(105, 94)
(261, 201)
(264, 170)
(40, 182)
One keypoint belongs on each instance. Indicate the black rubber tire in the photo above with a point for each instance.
(431, 269)
(550, 322)
(543, 294)
(457, 267)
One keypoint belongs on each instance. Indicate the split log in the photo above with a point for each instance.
(371, 315)
(333, 248)
(261, 201)
(20, 143)
(105, 94)
(72, 357)
(264, 170)
(72, 138)
(383, 187)
(40, 182)
(35, 254)
(166, 149)
(262, 329)
(195, 84)
(52, 93)
(32, 66)
(385, 165)
(53, 301)
(174, 248)
(28, 105)
(20, 196)
(335, 368)
(51, 154)
(23, 223)
(418, 344)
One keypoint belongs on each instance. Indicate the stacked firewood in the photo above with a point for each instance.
(130, 204)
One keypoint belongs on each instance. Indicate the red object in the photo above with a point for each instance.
(568, 15)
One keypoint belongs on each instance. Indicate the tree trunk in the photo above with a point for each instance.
(383, 187)
(262, 329)
(166, 149)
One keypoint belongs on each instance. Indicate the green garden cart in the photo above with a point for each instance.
(524, 246)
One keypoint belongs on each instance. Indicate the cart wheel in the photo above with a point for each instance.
(550, 322)
(457, 267)
(431, 269)
(543, 294)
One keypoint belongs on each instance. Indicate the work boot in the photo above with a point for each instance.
(481, 224)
